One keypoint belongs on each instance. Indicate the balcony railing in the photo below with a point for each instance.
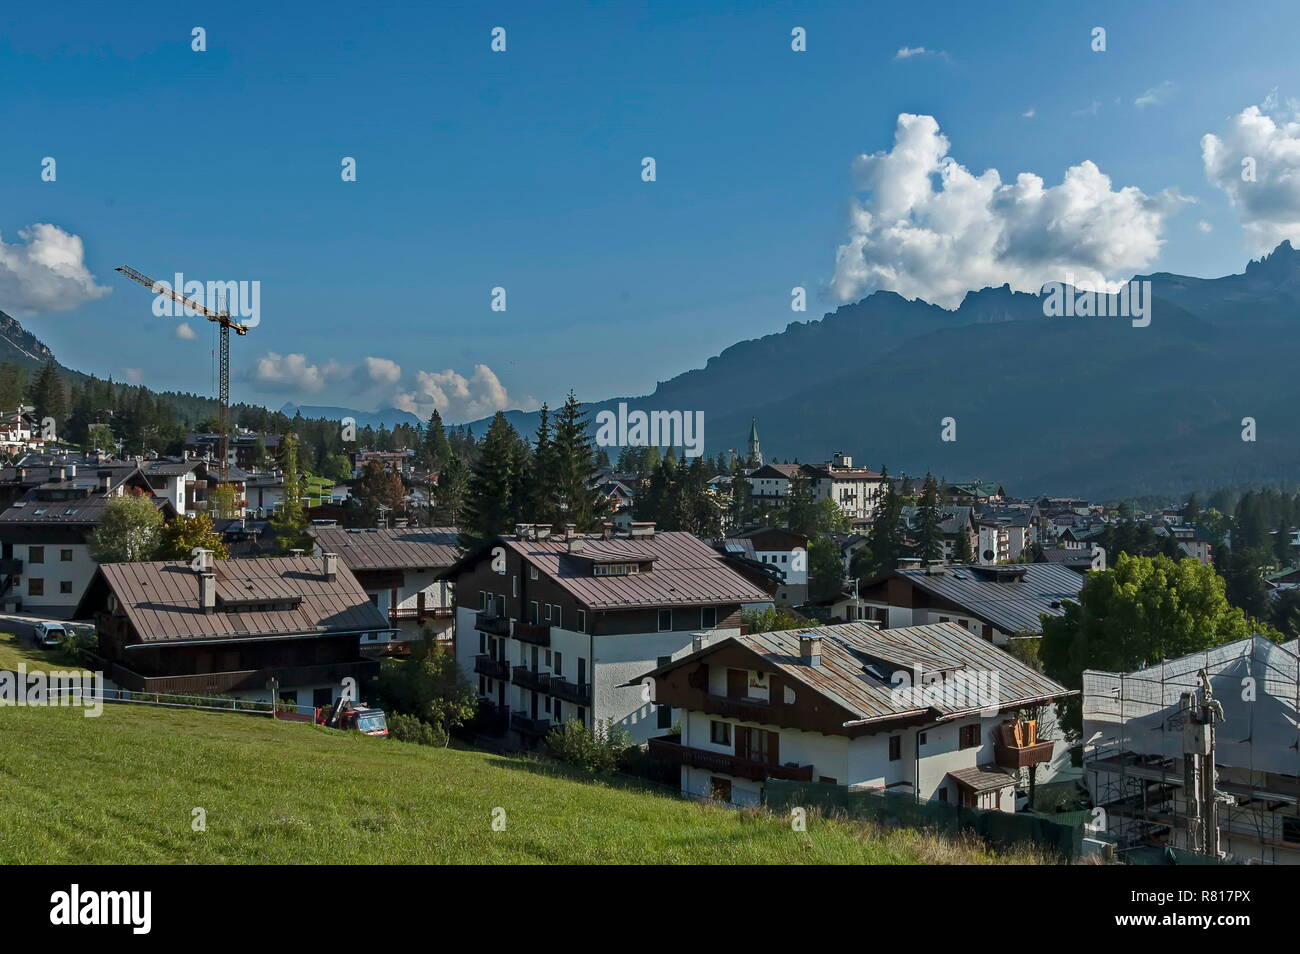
(492, 623)
(1022, 756)
(523, 676)
(747, 710)
(526, 726)
(492, 668)
(670, 749)
(537, 633)
(579, 693)
(414, 612)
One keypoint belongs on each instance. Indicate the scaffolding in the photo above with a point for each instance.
(1141, 736)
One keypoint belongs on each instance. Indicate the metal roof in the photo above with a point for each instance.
(403, 549)
(868, 693)
(686, 571)
(161, 600)
(1010, 606)
(983, 778)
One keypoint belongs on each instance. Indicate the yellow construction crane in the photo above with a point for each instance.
(223, 320)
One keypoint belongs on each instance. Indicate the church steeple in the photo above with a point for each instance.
(755, 451)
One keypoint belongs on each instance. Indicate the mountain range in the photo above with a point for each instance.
(1085, 406)
(1080, 405)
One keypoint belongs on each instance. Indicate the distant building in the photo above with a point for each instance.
(241, 450)
(785, 552)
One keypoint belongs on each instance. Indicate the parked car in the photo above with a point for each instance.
(49, 635)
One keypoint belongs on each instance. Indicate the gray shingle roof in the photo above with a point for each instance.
(409, 549)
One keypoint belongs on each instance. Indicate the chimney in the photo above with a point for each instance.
(329, 566)
(105, 478)
(207, 593)
(22, 473)
(575, 543)
(810, 650)
(202, 561)
(699, 641)
(72, 470)
(295, 552)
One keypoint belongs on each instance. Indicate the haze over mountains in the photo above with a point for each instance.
(1082, 405)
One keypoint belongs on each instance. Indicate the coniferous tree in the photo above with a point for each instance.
(436, 446)
(928, 519)
(449, 493)
(290, 520)
(488, 508)
(885, 538)
(576, 501)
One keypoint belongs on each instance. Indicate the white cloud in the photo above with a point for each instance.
(1156, 95)
(1092, 109)
(45, 271)
(907, 52)
(382, 371)
(293, 372)
(1256, 162)
(185, 332)
(133, 375)
(1204, 226)
(1029, 113)
(459, 398)
(974, 231)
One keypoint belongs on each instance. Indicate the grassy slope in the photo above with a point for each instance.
(121, 788)
(14, 651)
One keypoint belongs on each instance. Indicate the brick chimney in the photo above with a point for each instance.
(207, 593)
(575, 543)
(329, 566)
(699, 641)
(810, 650)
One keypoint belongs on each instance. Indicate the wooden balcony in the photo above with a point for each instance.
(414, 612)
(491, 623)
(243, 680)
(492, 668)
(523, 676)
(1022, 756)
(747, 710)
(670, 749)
(531, 727)
(537, 633)
(579, 693)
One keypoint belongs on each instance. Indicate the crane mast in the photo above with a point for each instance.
(221, 317)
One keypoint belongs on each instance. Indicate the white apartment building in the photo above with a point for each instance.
(920, 710)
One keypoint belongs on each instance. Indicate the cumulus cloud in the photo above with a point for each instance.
(459, 398)
(185, 332)
(293, 372)
(1256, 162)
(45, 270)
(926, 227)
(381, 371)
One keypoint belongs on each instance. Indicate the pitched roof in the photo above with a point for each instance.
(401, 549)
(989, 593)
(859, 659)
(686, 571)
(161, 600)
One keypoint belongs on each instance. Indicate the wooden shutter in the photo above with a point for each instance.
(737, 683)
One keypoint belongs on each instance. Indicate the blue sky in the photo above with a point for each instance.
(522, 169)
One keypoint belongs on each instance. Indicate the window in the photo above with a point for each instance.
(969, 736)
(322, 697)
(582, 715)
(557, 709)
(558, 664)
(708, 617)
(534, 612)
(35, 587)
(895, 748)
(720, 789)
(482, 644)
(582, 621)
(532, 573)
(665, 714)
(514, 586)
(65, 586)
(920, 739)
(556, 617)
(36, 554)
(720, 733)
(65, 556)
(665, 620)
(943, 793)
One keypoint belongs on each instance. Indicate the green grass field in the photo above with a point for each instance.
(14, 651)
(122, 788)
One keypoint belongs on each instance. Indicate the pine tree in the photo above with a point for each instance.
(488, 509)
(577, 502)
(48, 395)
(449, 493)
(885, 538)
(436, 446)
(928, 518)
(543, 504)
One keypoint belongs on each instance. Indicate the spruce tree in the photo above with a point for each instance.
(488, 508)
(449, 492)
(577, 502)
(436, 447)
(928, 518)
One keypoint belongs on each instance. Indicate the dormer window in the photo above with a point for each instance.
(615, 569)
